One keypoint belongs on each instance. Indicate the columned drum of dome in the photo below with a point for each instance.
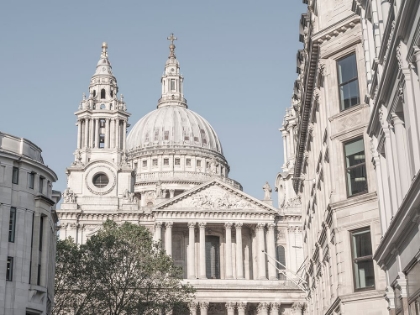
(174, 145)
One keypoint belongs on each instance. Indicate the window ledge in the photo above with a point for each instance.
(362, 198)
(347, 111)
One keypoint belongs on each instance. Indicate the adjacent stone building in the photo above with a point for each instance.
(391, 34)
(327, 175)
(171, 176)
(28, 228)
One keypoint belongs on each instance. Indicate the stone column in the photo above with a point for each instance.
(284, 133)
(112, 134)
(389, 297)
(191, 251)
(271, 251)
(261, 252)
(391, 169)
(79, 132)
(91, 132)
(402, 153)
(204, 306)
(107, 133)
(228, 256)
(86, 133)
(97, 133)
(241, 308)
(117, 134)
(202, 274)
(158, 231)
(263, 308)
(230, 307)
(239, 257)
(193, 308)
(168, 238)
(274, 308)
(171, 193)
(124, 131)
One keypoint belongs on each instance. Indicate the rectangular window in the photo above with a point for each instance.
(177, 161)
(41, 232)
(166, 135)
(9, 270)
(38, 280)
(173, 84)
(198, 163)
(101, 141)
(364, 276)
(166, 161)
(188, 162)
(12, 224)
(15, 176)
(348, 82)
(355, 167)
(155, 162)
(144, 163)
(41, 185)
(31, 180)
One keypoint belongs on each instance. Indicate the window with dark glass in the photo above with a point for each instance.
(154, 162)
(101, 141)
(31, 180)
(364, 276)
(177, 161)
(12, 224)
(188, 162)
(103, 93)
(100, 180)
(355, 167)
(9, 270)
(198, 163)
(212, 257)
(38, 280)
(281, 258)
(348, 82)
(173, 84)
(15, 176)
(41, 232)
(166, 161)
(41, 185)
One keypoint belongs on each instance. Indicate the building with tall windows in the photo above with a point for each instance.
(170, 175)
(327, 176)
(392, 39)
(28, 228)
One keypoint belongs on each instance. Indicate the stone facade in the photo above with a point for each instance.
(391, 36)
(327, 176)
(171, 176)
(28, 228)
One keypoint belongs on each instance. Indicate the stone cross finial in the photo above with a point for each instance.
(104, 50)
(172, 46)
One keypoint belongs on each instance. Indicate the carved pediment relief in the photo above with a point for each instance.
(215, 196)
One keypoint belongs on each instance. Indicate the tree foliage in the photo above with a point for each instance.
(120, 270)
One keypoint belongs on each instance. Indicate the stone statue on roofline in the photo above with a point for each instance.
(267, 191)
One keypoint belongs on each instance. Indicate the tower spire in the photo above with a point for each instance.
(172, 80)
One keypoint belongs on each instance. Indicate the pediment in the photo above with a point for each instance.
(215, 196)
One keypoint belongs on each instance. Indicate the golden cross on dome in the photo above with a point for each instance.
(172, 38)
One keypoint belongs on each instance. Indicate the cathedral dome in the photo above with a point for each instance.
(173, 126)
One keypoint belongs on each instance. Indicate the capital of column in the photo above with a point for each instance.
(271, 226)
(230, 306)
(241, 306)
(396, 120)
(158, 225)
(191, 225)
(389, 297)
(260, 226)
(169, 224)
(274, 307)
(193, 307)
(204, 305)
(228, 225)
(202, 225)
(238, 225)
(263, 306)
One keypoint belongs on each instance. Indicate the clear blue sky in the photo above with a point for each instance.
(237, 57)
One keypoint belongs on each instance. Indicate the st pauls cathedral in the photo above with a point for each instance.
(170, 175)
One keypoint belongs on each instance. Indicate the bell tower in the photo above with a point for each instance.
(100, 181)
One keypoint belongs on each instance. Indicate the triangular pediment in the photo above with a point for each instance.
(215, 196)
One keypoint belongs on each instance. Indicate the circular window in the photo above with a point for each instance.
(102, 106)
(100, 180)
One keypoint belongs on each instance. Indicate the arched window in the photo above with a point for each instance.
(281, 257)
(212, 257)
(112, 93)
(103, 93)
(94, 93)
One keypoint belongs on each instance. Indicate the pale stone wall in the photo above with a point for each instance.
(30, 288)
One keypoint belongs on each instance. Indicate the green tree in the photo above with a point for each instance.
(120, 270)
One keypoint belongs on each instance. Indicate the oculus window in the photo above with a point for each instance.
(363, 272)
(348, 82)
(100, 180)
(355, 167)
